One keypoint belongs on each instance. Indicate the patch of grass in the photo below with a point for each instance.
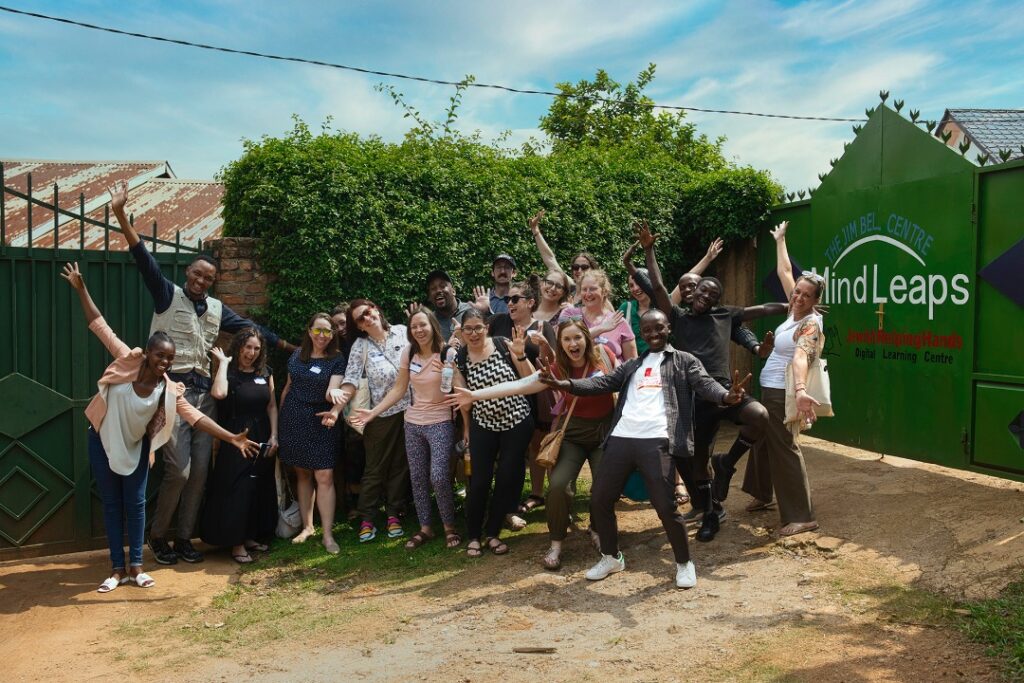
(999, 625)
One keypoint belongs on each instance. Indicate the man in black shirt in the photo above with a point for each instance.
(705, 330)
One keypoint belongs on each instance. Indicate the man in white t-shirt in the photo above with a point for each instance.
(651, 425)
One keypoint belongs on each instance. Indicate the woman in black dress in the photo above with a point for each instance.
(308, 442)
(241, 502)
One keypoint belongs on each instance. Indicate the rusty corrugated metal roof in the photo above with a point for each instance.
(189, 206)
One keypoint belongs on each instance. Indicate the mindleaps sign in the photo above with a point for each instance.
(873, 284)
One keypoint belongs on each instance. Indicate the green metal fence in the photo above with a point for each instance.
(49, 364)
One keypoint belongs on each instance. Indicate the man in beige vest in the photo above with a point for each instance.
(193, 319)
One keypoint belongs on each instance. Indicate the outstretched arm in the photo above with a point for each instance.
(714, 249)
(661, 297)
(219, 390)
(160, 288)
(546, 255)
(755, 312)
(783, 267)
(75, 279)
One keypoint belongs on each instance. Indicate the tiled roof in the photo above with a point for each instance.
(191, 207)
(991, 129)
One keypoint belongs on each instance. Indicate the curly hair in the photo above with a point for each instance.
(238, 341)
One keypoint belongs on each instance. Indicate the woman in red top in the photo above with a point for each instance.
(576, 357)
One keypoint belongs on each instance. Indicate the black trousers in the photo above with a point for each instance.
(500, 456)
(651, 458)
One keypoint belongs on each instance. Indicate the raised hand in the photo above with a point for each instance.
(738, 391)
(362, 417)
(246, 447)
(460, 398)
(73, 275)
(219, 354)
(518, 344)
(627, 256)
(482, 299)
(715, 248)
(534, 222)
(118, 195)
(644, 235)
(327, 419)
(412, 309)
(764, 349)
(779, 231)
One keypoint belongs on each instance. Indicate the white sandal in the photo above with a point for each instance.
(112, 582)
(143, 580)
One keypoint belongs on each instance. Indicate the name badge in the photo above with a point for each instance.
(415, 367)
(376, 354)
(315, 370)
(260, 380)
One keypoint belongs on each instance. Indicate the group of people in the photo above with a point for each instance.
(546, 366)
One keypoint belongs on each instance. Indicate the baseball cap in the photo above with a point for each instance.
(435, 275)
(504, 257)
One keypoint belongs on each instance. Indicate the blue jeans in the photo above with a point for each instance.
(124, 498)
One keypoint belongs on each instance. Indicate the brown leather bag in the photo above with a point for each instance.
(551, 444)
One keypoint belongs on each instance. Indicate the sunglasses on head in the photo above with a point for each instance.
(321, 332)
(580, 266)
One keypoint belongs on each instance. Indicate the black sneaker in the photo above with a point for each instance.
(723, 475)
(162, 551)
(186, 552)
(709, 526)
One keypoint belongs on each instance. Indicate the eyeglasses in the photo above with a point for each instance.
(552, 283)
(476, 329)
(580, 266)
(321, 332)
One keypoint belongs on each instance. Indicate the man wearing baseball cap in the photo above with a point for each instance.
(441, 297)
(503, 270)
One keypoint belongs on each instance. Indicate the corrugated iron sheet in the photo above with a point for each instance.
(189, 206)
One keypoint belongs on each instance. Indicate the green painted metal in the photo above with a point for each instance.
(49, 364)
(894, 228)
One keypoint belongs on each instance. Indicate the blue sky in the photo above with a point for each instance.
(70, 93)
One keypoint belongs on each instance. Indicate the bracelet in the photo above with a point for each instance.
(521, 359)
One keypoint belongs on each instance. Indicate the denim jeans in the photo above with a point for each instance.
(124, 498)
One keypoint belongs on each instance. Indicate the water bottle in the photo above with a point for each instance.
(448, 372)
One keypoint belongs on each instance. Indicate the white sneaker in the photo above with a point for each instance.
(686, 575)
(608, 564)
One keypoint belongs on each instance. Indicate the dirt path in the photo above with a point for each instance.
(851, 605)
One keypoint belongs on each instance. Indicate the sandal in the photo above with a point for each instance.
(452, 540)
(532, 502)
(681, 497)
(514, 522)
(258, 547)
(497, 546)
(757, 505)
(474, 550)
(242, 559)
(794, 528)
(143, 580)
(111, 583)
(552, 561)
(418, 539)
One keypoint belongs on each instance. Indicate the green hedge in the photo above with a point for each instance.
(341, 216)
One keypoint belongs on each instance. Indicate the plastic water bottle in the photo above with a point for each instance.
(448, 372)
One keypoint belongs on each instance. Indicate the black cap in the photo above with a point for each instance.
(434, 275)
(504, 257)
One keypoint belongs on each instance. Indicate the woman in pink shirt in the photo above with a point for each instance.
(429, 427)
(606, 326)
(129, 418)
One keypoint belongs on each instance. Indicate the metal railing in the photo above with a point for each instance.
(80, 217)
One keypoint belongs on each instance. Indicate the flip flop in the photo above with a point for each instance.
(111, 582)
(258, 547)
(757, 505)
(472, 551)
(144, 580)
(532, 502)
(242, 559)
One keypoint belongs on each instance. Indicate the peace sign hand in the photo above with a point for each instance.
(738, 391)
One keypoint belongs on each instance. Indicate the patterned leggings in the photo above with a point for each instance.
(429, 449)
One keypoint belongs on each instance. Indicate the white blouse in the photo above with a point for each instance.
(124, 425)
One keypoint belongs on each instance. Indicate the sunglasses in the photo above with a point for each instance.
(552, 283)
(476, 329)
(321, 332)
(515, 298)
(366, 314)
(580, 266)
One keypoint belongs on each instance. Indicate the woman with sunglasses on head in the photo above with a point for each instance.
(522, 307)
(376, 355)
(606, 326)
(576, 357)
(131, 416)
(776, 462)
(429, 427)
(240, 511)
(307, 422)
(498, 431)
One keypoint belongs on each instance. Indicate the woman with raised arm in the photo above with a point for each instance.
(607, 327)
(578, 267)
(576, 357)
(776, 462)
(500, 427)
(307, 422)
(240, 511)
(429, 427)
(129, 418)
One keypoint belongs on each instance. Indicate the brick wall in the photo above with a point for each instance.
(241, 284)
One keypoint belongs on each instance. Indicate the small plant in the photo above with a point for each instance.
(822, 176)
(811, 191)
(930, 125)
(857, 129)
(946, 135)
(1005, 154)
(833, 162)
(964, 145)
(870, 111)
(915, 114)
(982, 159)
(801, 194)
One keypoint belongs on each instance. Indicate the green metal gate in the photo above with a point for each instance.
(49, 364)
(925, 355)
